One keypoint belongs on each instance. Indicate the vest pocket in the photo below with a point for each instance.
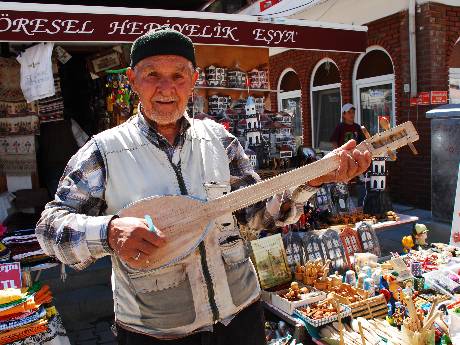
(241, 277)
(165, 298)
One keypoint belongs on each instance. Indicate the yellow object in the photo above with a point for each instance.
(50, 312)
(10, 295)
(407, 243)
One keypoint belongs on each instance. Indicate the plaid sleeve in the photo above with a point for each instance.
(71, 227)
(266, 214)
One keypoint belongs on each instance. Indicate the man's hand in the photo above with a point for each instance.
(352, 163)
(132, 241)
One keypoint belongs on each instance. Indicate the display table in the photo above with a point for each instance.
(55, 335)
(404, 219)
(300, 333)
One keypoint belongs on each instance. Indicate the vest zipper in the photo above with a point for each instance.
(204, 265)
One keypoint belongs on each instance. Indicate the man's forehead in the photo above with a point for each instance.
(165, 61)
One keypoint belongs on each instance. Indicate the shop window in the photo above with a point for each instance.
(289, 100)
(326, 102)
(374, 89)
(454, 75)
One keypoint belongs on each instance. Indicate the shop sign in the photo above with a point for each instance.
(266, 4)
(455, 231)
(423, 98)
(10, 275)
(413, 101)
(36, 26)
(438, 97)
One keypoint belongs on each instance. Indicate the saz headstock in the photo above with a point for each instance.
(390, 140)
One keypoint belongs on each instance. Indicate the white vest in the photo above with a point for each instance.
(212, 284)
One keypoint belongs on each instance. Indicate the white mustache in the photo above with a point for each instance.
(165, 99)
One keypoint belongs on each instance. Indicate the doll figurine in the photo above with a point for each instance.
(420, 234)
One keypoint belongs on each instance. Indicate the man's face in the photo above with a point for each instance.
(349, 116)
(164, 84)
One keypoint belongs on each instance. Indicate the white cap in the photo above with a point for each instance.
(347, 107)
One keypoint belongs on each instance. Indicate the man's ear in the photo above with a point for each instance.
(195, 77)
(131, 74)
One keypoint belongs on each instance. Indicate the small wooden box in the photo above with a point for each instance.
(289, 306)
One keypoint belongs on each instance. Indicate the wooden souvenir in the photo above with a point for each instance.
(350, 243)
(333, 249)
(295, 251)
(173, 213)
(312, 246)
(109, 59)
(368, 238)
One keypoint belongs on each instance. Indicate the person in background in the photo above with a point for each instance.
(347, 129)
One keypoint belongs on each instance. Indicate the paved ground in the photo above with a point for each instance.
(85, 299)
(98, 332)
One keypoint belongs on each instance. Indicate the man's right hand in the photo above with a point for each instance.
(131, 240)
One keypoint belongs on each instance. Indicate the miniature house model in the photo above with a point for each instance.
(378, 174)
(216, 76)
(201, 81)
(236, 78)
(252, 157)
(253, 136)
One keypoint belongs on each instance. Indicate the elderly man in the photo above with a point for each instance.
(211, 296)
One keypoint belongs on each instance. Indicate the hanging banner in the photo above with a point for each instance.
(39, 23)
(413, 101)
(438, 97)
(455, 231)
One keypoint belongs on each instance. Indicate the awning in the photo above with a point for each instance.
(20, 22)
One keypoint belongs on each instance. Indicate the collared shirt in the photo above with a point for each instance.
(73, 227)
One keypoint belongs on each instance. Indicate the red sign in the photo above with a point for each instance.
(413, 101)
(31, 25)
(438, 97)
(423, 98)
(265, 4)
(10, 275)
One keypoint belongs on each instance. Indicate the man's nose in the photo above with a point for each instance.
(165, 84)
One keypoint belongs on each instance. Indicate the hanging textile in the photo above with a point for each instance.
(37, 72)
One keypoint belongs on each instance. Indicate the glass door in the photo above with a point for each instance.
(326, 116)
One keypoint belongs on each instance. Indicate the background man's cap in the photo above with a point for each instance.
(163, 41)
(420, 229)
(347, 107)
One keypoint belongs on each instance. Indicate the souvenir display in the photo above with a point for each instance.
(21, 125)
(121, 103)
(218, 104)
(296, 296)
(350, 243)
(324, 312)
(52, 108)
(236, 78)
(333, 249)
(269, 258)
(28, 317)
(216, 76)
(201, 81)
(368, 238)
(258, 79)
(23, 247)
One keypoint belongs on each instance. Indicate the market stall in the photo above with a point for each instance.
(62, 79)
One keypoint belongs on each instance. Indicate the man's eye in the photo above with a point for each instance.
(178, 76)
(152, 74)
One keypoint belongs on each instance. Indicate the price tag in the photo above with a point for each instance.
(10, 275)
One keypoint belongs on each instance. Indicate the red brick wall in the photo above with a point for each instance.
(438, 28)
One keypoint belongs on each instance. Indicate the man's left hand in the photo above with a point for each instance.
(352, 163)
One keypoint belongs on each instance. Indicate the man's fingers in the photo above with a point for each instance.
(156, 238)
(349, 145)
(145, 247)
(352, 166)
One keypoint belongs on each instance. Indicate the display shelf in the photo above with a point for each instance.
(232, 89)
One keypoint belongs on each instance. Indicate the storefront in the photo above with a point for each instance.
(395, 67)
(88, 51)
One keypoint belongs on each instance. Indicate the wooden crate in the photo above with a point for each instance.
(372, 307)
